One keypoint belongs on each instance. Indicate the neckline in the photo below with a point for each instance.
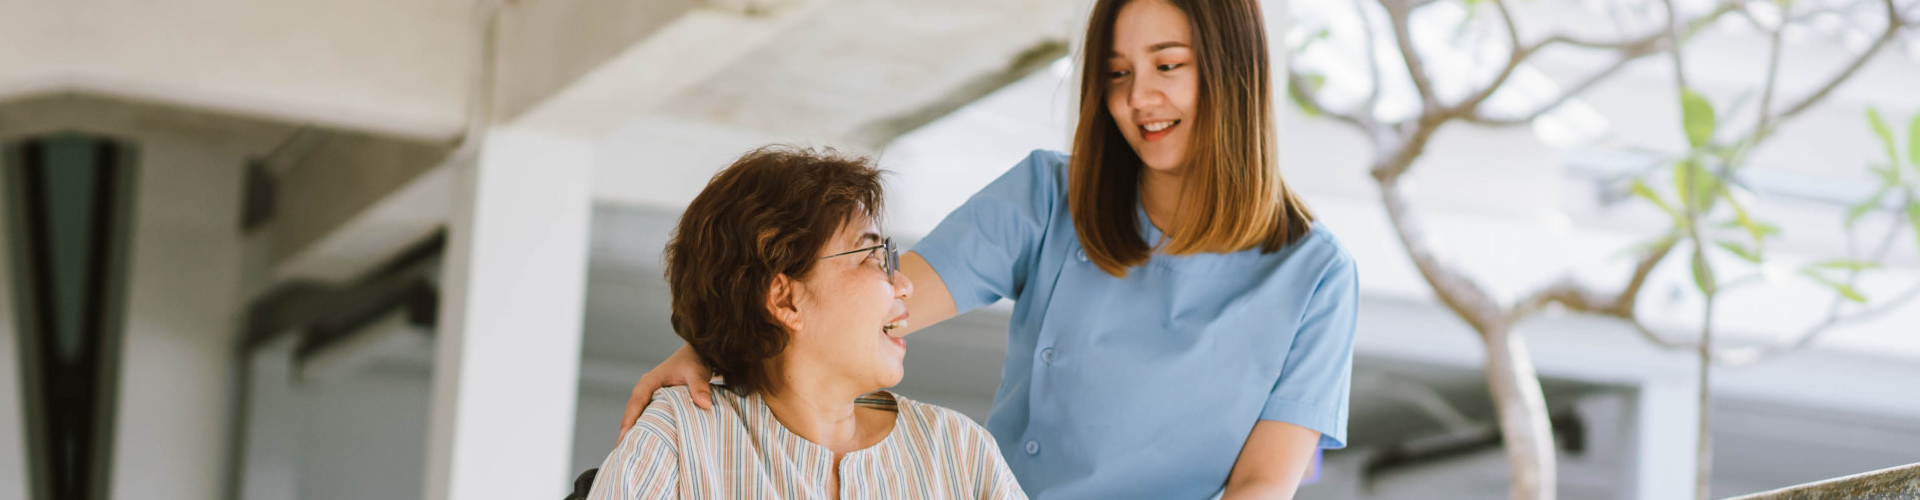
(899, 422)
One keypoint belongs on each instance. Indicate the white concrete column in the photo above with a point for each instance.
(508, 343)
(13, 425)
(1666, 415)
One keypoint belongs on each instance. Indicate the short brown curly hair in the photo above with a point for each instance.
(766, 215)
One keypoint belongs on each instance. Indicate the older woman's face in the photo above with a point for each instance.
(846, 307)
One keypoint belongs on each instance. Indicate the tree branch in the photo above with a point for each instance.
(1398, 12)
(1298, 86)
(1756, 354)
(1894, 24)
(1568, 292)
(1630, 50)
(1373, 59)
(1517, 53)
(1460, 292)
(1751, 355)
(1673, 25)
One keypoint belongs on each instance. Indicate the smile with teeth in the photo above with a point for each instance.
(1158, 126)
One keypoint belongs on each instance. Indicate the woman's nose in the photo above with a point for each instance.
(902, 286)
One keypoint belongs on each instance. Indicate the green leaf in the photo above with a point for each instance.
(1889, 174)
(1765, 229)
(1845, 290)
(1694, 183)
(1641, 189)
(1702, 274)
(1696, 115)
(1861, 209)
(1881, 129)
(1747, 254)
(1913, 217)
(1849, 292)
(1646, 192)
(1314, 81)
(1850, 265)
(1741, 218)
(1643, 247)
(1913, 142)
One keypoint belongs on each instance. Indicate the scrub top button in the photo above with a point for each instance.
(1033, 447)
(1080, 254)
(1047, 355)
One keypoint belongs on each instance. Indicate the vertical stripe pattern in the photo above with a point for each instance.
(739, 451)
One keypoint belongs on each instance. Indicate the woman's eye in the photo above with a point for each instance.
(1170, 67)
(1117, 74)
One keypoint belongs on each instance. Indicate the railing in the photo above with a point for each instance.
(1897, 483)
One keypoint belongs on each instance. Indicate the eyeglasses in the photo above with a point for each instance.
(889, 264)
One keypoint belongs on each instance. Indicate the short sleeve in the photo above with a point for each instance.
(1317, 377)
(646, 465)
(985, 249)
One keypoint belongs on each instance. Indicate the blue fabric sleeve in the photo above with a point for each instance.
(1317, 378)
(985, 249)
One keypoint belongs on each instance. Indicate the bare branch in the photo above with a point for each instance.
(1747, 356)
(1894, 24)
(1460, 292)
(1473, 115)
(1299, 87)
(1373, 59)
(1568, 292)
(1518, 53)
(1398, 12)
(1756, 354)
(1630, 50)
(1673, 25)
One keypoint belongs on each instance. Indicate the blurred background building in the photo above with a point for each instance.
(377, 249)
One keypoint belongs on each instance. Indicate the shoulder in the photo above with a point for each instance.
(671, 406)
(1045, 170)
(940, 420)
(1045, 160)
(1321, 249)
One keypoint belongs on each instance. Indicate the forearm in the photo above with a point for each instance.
(1261, 489)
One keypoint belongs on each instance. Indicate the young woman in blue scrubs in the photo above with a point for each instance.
(1182, 329)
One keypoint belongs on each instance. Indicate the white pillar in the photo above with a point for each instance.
(13, 425)
(507, 359)
(1666, 415)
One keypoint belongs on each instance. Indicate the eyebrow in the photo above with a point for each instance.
(1153, 48)
(1165, 45)
(869, 237)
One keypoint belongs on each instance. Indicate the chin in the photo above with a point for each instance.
(891, 378)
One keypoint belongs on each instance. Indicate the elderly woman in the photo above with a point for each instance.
(783, 284)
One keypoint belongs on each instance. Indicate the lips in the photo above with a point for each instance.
(1154, 130)
(898, 323)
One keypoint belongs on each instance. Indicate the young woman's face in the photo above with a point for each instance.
(846, 306)
(1152, 84)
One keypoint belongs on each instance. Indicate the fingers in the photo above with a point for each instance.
(702, 393)
(637, 403)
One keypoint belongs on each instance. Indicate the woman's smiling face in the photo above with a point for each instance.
(1152, 84)
(845, 308)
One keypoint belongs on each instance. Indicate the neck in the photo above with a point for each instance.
(821, 410)
(1160, 195)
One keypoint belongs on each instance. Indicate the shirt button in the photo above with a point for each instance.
(1047, 355)
(1033, 447)
(1080, 254)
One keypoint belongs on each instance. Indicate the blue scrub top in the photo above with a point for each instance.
(1145, 386)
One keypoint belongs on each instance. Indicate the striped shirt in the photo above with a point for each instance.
(739, 451)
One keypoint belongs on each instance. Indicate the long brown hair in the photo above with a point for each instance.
(1233, 198)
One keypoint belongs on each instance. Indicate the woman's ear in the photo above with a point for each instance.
(783, 301)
